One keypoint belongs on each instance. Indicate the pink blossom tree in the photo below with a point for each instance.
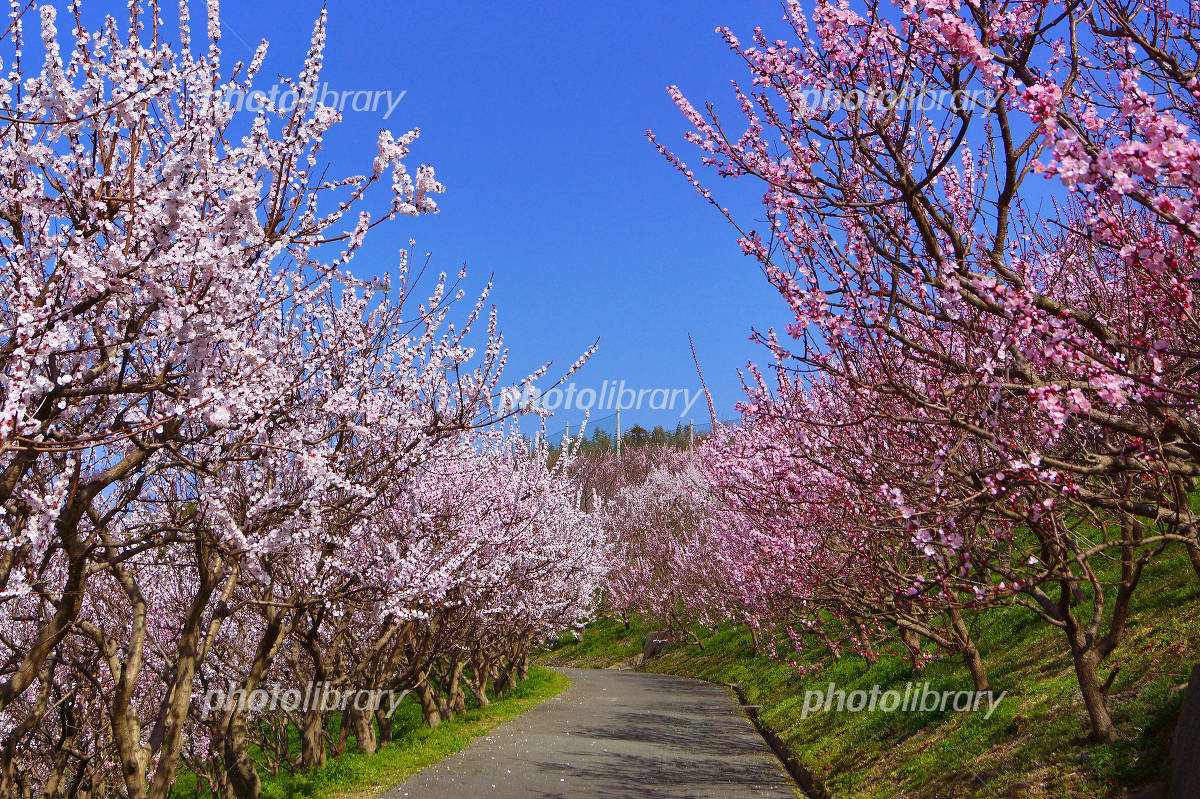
(1047, 358)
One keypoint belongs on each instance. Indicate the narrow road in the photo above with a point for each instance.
(614, 734)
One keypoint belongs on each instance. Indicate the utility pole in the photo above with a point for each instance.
(691, 433)
(618, 429)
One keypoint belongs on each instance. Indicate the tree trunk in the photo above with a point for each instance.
(1193, 548)
(913, 642)
(458, 700)
(428, 699)
(339, 746)
(479, 691)
(970, 652)
(243, 776)
(480, 671)
(193, 644)
(834, 648)
(384, 722)
(1086, 662)
(975, 666)
(312, 740)
(219, 779)
(364, 729)
(864, 640)
(235, 750)
(1086, 659)
(507, 680)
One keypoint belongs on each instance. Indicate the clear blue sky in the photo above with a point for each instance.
(534, 115)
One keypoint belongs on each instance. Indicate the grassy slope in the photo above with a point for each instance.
(1034, 745)
(413, 748)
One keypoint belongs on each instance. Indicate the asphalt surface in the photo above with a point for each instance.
(614, 734)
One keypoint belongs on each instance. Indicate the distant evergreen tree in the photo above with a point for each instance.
(602, 441)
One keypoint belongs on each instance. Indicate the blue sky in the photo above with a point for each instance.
(534, 115)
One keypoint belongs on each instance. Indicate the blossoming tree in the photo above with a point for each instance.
(908, 156)
(220, 452)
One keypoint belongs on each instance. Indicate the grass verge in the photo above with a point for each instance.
(413, 748)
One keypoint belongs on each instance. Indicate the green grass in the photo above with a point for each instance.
(603, 644)
(413, 748)
(1034, 745)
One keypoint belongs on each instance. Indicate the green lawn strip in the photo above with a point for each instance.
(414, 747)
(1034, 745)
(604, 643)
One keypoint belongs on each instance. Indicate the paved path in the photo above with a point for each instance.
(614, 734)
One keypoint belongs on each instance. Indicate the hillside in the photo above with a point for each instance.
(1034, 745)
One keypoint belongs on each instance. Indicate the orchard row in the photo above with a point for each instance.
(989, 391)
(225, 463)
